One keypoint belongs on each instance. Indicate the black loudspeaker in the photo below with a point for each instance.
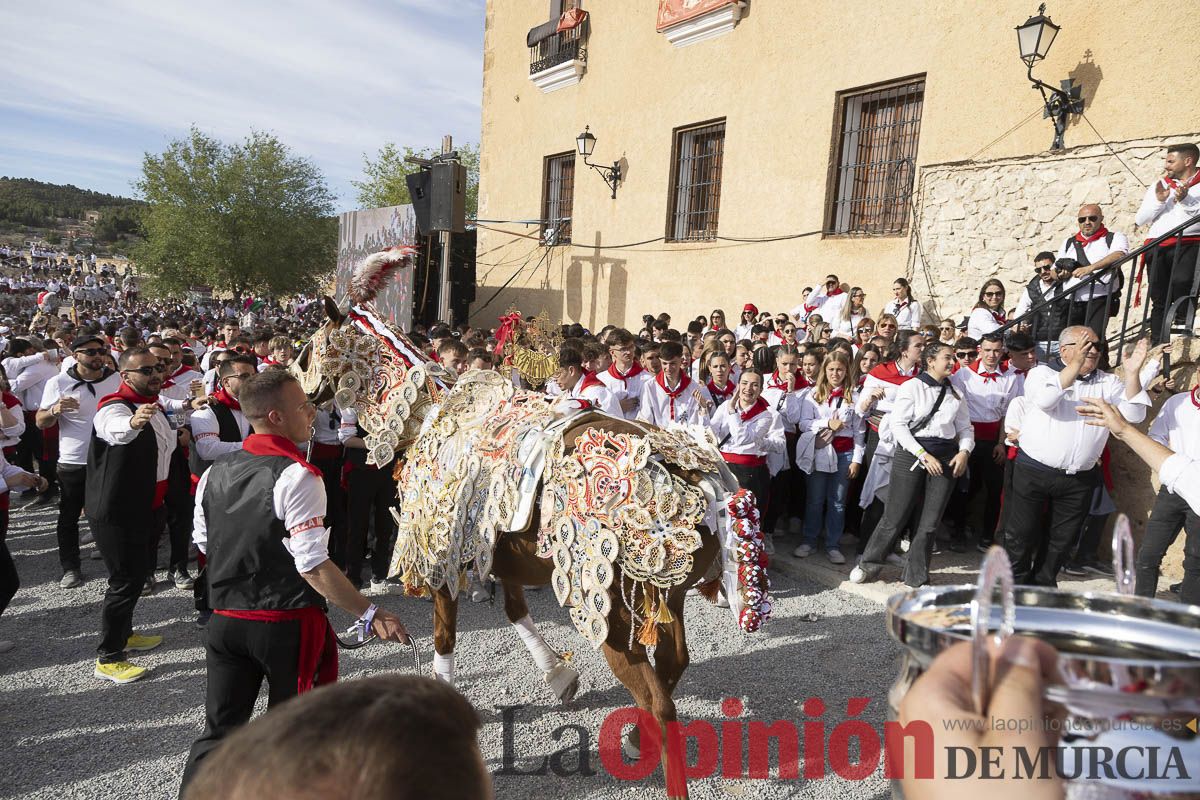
(448, 207)
(419, 184)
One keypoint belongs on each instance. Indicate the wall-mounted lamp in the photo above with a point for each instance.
(586, 142)
(1034, 38)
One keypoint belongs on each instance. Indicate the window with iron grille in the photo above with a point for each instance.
(558, 195)
(876, 152)
(696, 183)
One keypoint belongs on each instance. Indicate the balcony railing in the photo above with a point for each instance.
(559, 48)
(1136, 313)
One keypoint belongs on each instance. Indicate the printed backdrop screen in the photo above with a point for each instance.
(361, 233)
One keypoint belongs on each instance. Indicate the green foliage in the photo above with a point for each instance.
(245, 217)
(54, 238)
(39, 205)
(384, 184)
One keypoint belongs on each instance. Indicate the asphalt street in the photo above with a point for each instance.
(64, 733)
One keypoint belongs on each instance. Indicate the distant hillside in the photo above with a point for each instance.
(58, 214)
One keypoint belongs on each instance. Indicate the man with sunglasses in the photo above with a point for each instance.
(69, 401)
(1045, 291)
(1093, 247)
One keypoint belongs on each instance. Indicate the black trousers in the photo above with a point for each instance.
(1094, 314)
(756, 480)
(239, 654)
(1170, 514)
(905, 490)
(371, 494)
(786, 492)
(1037, 548)
(1171, 274)
(10, 581)
(335, 503)
(180, 507)
(72, 478)
(126, 552)
(984, 475)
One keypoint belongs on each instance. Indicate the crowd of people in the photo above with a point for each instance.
(866, 437)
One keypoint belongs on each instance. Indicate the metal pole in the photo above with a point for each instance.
(444, 238)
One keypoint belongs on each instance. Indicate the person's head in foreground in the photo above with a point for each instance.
(387, 737)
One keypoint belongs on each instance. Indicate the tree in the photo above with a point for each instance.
(245, 217)
(384, 184)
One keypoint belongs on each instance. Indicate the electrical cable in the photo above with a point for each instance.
(513, 277)
(1111, 150)
(1007, 133)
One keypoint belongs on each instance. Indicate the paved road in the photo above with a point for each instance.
(65, 734)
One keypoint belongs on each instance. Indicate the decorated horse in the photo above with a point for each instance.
(620, 518)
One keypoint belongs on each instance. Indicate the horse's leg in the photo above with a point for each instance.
(445, 624)
(562, 678)
(671, 655)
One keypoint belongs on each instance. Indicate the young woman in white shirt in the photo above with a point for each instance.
(748, 432)
(902, 306)
(932, 428)
(716, 376)
(850, 314)
(988, 314)
(830, 452)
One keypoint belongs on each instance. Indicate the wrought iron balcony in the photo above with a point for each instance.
(559, 48)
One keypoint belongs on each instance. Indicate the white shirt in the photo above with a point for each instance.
(784, 403)
(1162, 217)
(847, 327)
(597, 395)
(761, 435)
(326, 427)
(299, 500)
(980, 322)
(814, 422)
(1051, 290)
(1177, 426)
(907, 316)
(1095, 251)
(1181, 476)
(29, 384)
(11, 436)
(987, 399)
(629, 386)
(915, 399)
(1054, 434)
(206, 433)
(112, 425)
(743, 331)
(690, 407)
(8, 471)
(75, 426)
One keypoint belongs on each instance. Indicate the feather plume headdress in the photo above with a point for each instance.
(369, 276)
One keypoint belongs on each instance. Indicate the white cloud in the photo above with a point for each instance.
(331, 79)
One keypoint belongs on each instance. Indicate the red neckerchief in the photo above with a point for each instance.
(1174, 184)
(753, 411)
(1099, 234)
(836, 393)
(1195, 395)
(684, 383)
(10, 400)
(268, 361)
(226, 399)
(182, 369)
(809, 309)
(124, 392)
(1000, 317)
(634, 370)
(901, 306)
(890, 373)
(776, 383)
(721, 394)
(988, 377)
(835, 292)
(268, 444)
(588, 380)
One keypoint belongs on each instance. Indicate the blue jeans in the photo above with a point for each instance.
(826, 503)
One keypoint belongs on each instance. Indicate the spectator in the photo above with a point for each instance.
(988, 314)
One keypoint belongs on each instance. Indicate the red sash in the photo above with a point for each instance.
(743, 460)
(318, 658)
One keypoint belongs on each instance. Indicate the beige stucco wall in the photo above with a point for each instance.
(774, 79)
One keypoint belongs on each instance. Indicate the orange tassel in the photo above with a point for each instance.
(648, 635)
(710, 590)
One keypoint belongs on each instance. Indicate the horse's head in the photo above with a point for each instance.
(307, 366)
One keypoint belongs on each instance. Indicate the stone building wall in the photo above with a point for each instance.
(987, 219)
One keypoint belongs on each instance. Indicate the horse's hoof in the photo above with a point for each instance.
(563, 681)
(631, 749)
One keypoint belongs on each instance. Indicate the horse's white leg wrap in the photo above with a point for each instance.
(543, 656)
(443, 667)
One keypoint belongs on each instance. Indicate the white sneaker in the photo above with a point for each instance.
(379, 587)
(835, 556)
(904, 545)
(895, 559)
(803, 551)
(857, 575)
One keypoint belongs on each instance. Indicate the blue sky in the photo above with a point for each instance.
(87, 87)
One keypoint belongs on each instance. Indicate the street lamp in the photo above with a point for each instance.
(586, 143)
(1034, 38)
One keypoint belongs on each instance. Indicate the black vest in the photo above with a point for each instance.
(248, 568)
(227, 431)
(121, 478)
(1050, 319)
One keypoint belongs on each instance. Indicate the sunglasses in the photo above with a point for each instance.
(966, 354)
(91, 351)
(242, 350)
(831, 283)
(1046, 268)
(993, 294)
(865, 329)
(1092, 218)
(946, 328)
(147, 371)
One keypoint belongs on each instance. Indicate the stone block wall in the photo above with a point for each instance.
(987, 219)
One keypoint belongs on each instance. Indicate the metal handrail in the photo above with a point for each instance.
(1133, 257)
